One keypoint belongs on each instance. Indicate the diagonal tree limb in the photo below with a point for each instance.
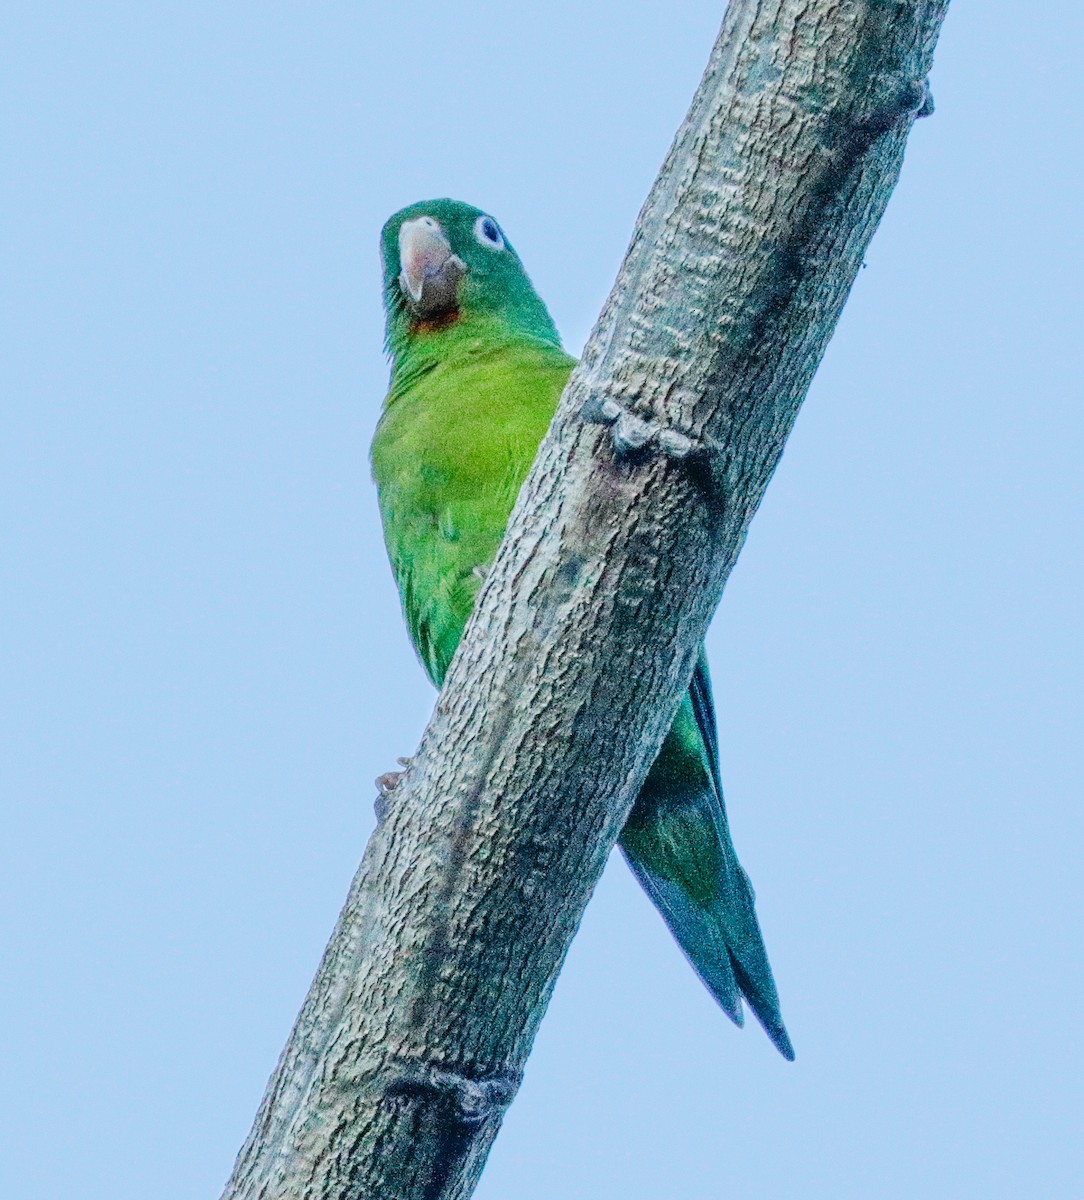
(413, 1038)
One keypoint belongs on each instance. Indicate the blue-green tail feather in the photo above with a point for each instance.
(677, 842)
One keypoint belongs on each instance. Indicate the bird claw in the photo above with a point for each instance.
(385, 785)
(632, 435)
(388, 782)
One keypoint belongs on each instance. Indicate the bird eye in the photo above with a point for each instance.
(486, 231)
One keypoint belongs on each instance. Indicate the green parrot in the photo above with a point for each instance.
(477, 371)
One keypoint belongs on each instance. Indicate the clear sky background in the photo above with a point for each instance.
(204, 665)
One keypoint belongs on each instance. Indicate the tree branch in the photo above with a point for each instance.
(413, 1038)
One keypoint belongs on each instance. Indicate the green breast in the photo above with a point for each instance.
(451, 451)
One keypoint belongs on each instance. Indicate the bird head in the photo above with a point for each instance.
(447, 263)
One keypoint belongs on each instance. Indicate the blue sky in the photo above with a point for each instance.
(204, 665)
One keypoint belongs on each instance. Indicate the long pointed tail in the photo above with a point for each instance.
(719, 934)
(677, 842)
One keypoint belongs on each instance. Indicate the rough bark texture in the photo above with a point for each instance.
(413, 1037)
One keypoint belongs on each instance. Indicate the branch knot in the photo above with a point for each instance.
(473, 1100)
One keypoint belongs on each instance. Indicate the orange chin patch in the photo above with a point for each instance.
(435, 324)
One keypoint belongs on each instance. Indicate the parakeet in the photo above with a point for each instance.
(477, 371)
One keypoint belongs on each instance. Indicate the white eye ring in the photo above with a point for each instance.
(488, 233)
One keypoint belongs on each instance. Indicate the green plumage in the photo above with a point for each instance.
(476, 376)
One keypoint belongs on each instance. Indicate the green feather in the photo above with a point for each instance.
(472, 393)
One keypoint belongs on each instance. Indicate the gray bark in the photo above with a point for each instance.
(414, 1035)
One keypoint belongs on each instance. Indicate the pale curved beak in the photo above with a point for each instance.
(430, 271)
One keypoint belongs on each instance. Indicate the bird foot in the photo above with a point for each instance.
(632, 435)
(385, 785)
